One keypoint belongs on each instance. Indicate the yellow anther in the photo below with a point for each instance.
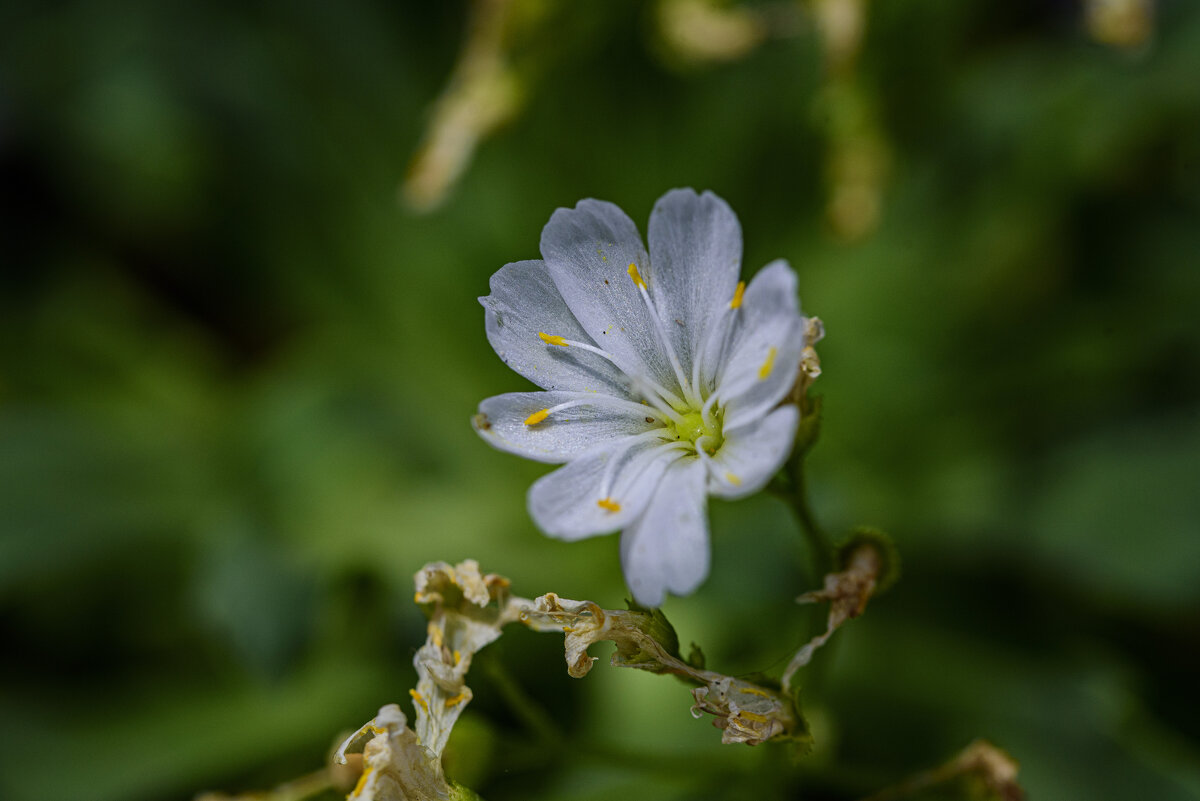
(754, 716)
(733, 479)
(458, 699)
(420, 699)
(457, 657)
(765, 370)
(754, 691)
(537, 417)
(609, 504)
(636, 276)
(552, 339)
(435, 634)
(568, 630)
(737, 295)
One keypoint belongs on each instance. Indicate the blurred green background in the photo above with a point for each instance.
(237, 373)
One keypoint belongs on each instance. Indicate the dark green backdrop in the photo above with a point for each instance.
(236, 378)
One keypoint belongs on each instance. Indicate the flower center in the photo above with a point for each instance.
(691, 428)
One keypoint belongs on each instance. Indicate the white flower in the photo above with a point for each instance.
(666, 378)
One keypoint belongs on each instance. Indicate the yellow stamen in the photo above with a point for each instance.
(537, 417)
(757, 718)
(362, 782)
(765, 370)
(636, 276)
(552, 339)
(754, 691)
(737, 295)
(458, 699)
(435, 634)
(420, 699)
(457, 657)
(609, 504)
(733, 479)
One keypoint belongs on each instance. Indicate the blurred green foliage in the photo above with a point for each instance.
(236, 378)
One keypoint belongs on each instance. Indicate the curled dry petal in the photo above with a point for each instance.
(847, 592)
(396, 767)
(746, 712)
(468, 610)
(980, 760)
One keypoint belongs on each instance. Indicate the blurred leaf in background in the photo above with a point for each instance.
(236, 378)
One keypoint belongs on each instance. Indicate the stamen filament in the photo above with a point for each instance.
(706, 411)
(684, 385)
(599, 400)
(664, 393)
(611, 466)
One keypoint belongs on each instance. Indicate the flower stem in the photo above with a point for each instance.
(532, 714)
(819, 544)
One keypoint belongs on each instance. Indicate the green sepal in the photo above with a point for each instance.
(809, 429)
(460, 793)
(801, 736)
(655, 624)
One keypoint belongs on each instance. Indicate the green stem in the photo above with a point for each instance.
(531, 714)
(819, 545)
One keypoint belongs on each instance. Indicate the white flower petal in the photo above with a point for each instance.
(564, 434)
(525, 301)
(695, 257)
(601, 491)
(666, 549)
(752, 454)
(772, 290)
(764, 356)
(588, 250)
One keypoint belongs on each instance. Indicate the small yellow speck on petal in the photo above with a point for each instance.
(457, 657)
(733, 479)
(420, 699)
(737, 295)
(765, 370)
(537, 417)
(552, 339)
(609, 504)
(636, 276)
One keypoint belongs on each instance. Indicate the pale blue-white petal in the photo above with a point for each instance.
(771, 293)
(695, 257)
(666, 549)
(524, 301)
(760, 364)
(772, 290)
(595, 420)
(575, 501)
(588, 250)
(752, 454)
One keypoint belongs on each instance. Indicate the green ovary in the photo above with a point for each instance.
(692, 427)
